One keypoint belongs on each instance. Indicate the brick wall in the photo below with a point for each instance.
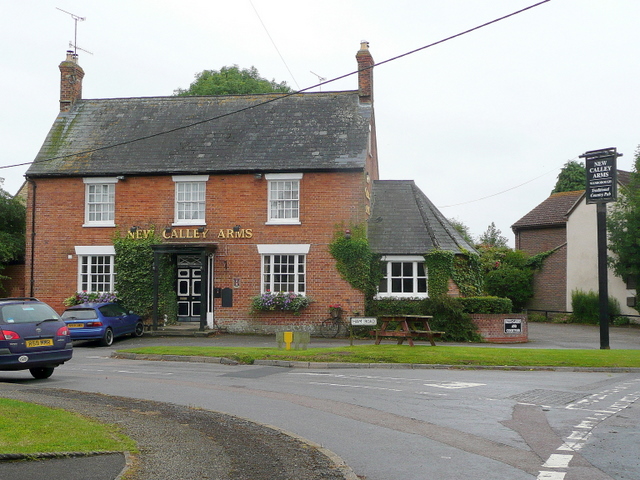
(491, 327)
(327, 199)
(550, 281)
(13, 286)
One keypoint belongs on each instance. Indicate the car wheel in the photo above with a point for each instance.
(41, 372)
(107, 339)
(139, 331)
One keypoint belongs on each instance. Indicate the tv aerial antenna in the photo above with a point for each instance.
(74, 44)
(320, 79)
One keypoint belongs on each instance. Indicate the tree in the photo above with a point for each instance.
(12, 229)
(492, 237)
(232, 81)
(623, 225)
(462, 229)
(572, 177)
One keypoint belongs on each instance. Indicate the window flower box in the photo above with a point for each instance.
(280, 301)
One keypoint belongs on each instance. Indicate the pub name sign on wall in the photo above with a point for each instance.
(602, 175)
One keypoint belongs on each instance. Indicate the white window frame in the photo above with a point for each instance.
(93, 255)
(181, 180)
(270, 252)
(414, 259)
(110, 204)
(282, 179)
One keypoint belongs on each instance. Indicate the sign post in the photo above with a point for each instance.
(602, 188)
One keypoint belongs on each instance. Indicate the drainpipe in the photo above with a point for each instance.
(33, 237)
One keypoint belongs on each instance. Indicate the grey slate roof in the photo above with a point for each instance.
(405, 222)
(306, 131)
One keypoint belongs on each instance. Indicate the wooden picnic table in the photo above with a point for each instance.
(408, 327)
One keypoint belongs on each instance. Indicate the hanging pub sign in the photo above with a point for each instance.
(602, 175)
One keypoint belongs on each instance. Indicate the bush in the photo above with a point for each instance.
(586, 307)
(486, 304)
(511, 282)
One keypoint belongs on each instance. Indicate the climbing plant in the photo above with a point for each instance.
(463, 269)
(355, 261)
(134, 277)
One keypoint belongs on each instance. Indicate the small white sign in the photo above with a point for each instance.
(512, 325)
(366, 321)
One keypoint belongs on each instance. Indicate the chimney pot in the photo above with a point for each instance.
(71, 75)
(365, 73)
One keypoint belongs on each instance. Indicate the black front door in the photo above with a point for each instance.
(189, 287)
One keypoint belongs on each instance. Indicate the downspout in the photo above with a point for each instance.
(33, 237)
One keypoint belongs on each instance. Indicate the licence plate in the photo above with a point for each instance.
(75, 325)
(45, 342)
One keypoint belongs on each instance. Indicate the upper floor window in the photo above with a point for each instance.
(190, 199)
(404, 276)
(284, 198)
(100, 203)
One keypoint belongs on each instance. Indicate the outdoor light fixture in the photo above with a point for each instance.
(236, 228)
(257, 176)
(201, 229)
(167, 230)
(133, 229)
(122, 178)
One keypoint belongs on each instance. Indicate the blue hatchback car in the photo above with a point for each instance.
(102, 322)
(32, 336)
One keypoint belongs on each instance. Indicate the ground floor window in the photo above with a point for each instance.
(96, 271)
(403, 276)
(284, 268)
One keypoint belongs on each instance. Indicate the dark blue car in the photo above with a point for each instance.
(102, 322)
(32, 336)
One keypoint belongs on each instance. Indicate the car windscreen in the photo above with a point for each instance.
(80, 314)
(26, 313)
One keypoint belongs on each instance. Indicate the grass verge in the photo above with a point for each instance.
(440, 355)
(27, 428)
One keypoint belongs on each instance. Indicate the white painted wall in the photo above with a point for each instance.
(582, 258)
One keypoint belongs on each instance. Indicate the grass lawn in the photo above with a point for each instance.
(440, 355)
(27, 428)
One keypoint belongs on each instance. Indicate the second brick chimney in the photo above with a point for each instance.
(71, 75)
(365, 73)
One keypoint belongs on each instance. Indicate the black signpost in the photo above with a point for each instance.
(602, 187)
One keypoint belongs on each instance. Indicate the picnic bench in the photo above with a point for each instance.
(408, 327)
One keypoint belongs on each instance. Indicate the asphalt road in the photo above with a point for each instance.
(409, 424)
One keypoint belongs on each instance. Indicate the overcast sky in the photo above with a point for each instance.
(483, 123)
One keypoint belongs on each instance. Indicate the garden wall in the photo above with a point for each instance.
(502, 327)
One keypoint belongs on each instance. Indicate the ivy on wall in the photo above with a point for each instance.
(463, 269)
(134, 278)
(355, 261)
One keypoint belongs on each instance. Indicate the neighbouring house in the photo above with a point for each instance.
(582, 255)
(565, 224)
(544, 229)
(245, 192)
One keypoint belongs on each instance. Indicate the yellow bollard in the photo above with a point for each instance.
(288, 338)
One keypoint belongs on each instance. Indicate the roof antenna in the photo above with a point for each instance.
(74, 44)
(320, 79)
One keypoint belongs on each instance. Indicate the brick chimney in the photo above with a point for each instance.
(71, 75)
(365, 73)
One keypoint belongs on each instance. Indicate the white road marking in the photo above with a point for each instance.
(354, 386)
(454, 385)
(557, 461)
(550, 476)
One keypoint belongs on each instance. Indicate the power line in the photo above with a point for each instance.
(280, 97)
(274, 43)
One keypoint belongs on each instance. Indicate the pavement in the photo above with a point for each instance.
(119, 465)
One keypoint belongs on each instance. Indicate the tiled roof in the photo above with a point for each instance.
(308, 131)
(551, 212)
(405, 222)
